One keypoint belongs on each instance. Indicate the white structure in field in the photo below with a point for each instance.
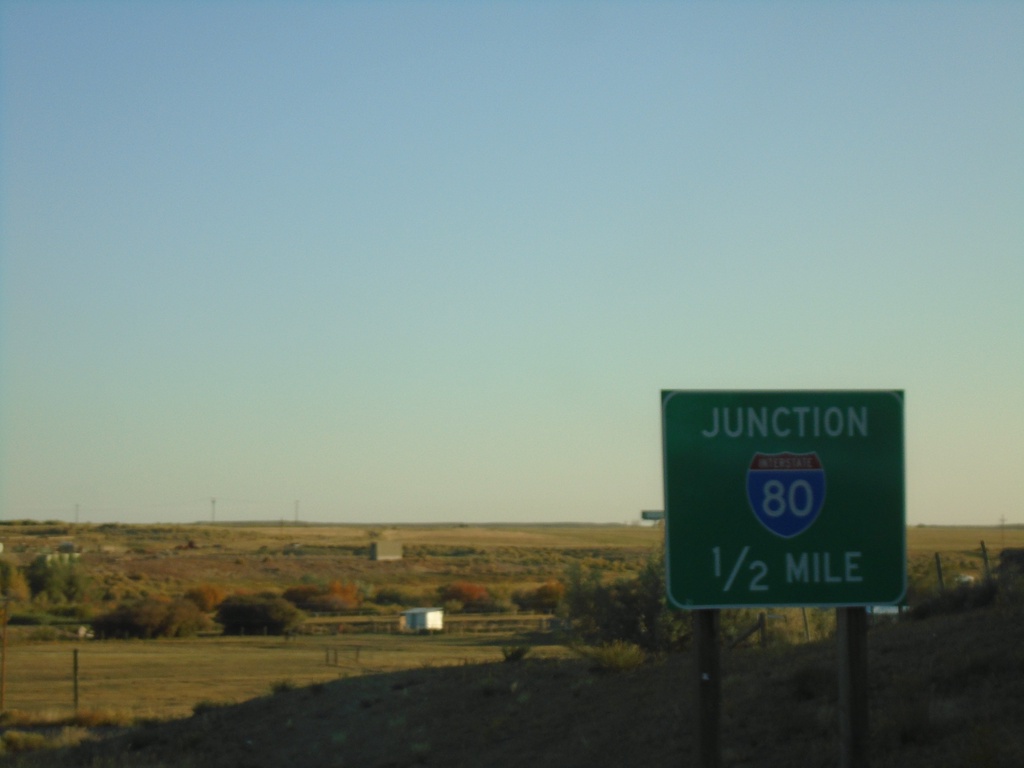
(386, 550)
(422, 620)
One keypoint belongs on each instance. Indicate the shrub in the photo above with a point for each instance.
(543, 599)
(12, 581)
(453, 606)
(29, 619)
(630, 610)
(257, 614)
(183, 619)
(55, 580)
(328, 603)
(69, 736)
(302, 594)
(45, 634)
(78, 612)
(512, 653)
(812, 680)
(617, 656)
(334, 598)
(206, 596)
(346, 593)
(282, 686)
(103, 718)
(22, 741)
(966, 597)
(393, 596)
(474, 597)
(151, 617)
(25, 741)
(207, 706)
(502, 605)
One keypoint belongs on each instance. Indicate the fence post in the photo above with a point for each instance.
(74, 668)
(984, 558)
(938, 570)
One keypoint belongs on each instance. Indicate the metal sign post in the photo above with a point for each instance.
(709, 687)
(852, 631)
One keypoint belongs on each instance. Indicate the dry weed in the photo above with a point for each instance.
(617, 656)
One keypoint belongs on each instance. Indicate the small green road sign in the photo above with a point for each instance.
(784, 498)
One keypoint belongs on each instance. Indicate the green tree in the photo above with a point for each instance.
(545, 599)
(56, 578)
(12, 581)
(256, 614)
(151, 617)
(633, 610)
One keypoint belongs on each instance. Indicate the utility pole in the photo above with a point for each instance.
(213, 510)
(296, 511)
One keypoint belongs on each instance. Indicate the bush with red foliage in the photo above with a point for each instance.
(334, 598)
(473, 597)
(207, 596)
(346, 593)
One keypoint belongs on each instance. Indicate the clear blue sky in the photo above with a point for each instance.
(420, 262)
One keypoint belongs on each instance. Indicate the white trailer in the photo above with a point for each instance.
(423, 620)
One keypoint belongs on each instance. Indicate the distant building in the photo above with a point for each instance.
(386, 550)
(422, 620)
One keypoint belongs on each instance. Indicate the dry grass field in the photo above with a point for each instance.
(952, 539)
(127, 561)
(159, 679)
(167, 678)
(945, 691)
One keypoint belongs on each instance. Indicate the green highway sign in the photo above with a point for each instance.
(777, 498)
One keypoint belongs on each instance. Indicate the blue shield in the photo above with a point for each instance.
(786, 491)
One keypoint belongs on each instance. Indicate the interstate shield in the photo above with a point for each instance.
(786, 491)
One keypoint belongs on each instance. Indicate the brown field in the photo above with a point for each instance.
(131, 561)
(944, 691)
(948, 539)
(169, 677)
